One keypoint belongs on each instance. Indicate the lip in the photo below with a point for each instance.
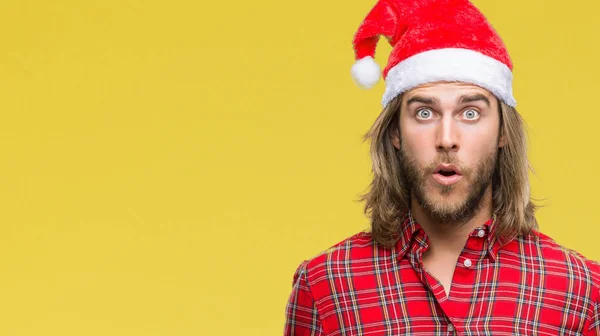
(447, 167)
(446, 180)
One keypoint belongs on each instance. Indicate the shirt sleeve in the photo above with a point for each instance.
(594, 328)
(302, 318)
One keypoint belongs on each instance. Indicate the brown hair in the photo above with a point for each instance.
(388, 199)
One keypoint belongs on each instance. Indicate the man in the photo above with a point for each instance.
(453, 246)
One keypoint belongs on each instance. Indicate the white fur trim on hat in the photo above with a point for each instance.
(450, 64)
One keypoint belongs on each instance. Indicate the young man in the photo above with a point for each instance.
(453, 246)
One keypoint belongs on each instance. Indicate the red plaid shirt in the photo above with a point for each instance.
(527, 286)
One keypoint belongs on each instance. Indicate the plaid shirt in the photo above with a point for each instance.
(527, 286)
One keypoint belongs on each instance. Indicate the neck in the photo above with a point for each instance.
(451, 237)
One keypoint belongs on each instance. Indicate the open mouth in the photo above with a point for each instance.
(447, 175)
(447, 172)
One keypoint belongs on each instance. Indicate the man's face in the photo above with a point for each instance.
(448, 145)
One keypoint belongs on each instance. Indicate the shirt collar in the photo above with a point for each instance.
(411, 233)
(408, 230)
(494, 243)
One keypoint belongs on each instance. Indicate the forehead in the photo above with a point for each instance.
(447, 91)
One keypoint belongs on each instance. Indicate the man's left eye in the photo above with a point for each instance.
(471, 114)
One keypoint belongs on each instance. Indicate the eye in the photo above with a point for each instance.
(424, 113)
(471, 114)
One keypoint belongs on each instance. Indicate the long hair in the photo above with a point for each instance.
(388, 198)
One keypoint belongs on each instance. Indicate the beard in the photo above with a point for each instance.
(447, 204)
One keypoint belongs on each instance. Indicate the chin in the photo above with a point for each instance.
(447, 208)
(447, 199)
(446, 191)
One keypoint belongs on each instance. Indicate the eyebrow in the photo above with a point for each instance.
(423, 100)
(473, 98)
(462, 100)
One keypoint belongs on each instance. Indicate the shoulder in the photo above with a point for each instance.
(570, 272)
(558, 259)
(554, 250)
(338, 258)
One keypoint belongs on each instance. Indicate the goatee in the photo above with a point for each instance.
(480, 178)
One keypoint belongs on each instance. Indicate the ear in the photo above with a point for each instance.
(395, 135)
(502, 141)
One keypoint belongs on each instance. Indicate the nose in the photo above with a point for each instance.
(447, 135)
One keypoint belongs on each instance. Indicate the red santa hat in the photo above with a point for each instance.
(432, 40)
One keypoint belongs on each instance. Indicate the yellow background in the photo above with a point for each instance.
(166, 165)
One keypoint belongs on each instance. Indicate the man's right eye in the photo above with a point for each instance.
(424, 114)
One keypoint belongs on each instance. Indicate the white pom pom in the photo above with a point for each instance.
(366, 72)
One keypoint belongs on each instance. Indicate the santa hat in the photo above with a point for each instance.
(432, 40)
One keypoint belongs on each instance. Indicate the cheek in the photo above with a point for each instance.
(419, 144)
(477, 146)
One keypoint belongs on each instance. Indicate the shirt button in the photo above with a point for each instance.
(450, 328)
(480, 233)
(467, 263)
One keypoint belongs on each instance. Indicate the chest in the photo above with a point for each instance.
(484, 299)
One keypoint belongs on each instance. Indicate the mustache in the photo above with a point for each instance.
(448, 159)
